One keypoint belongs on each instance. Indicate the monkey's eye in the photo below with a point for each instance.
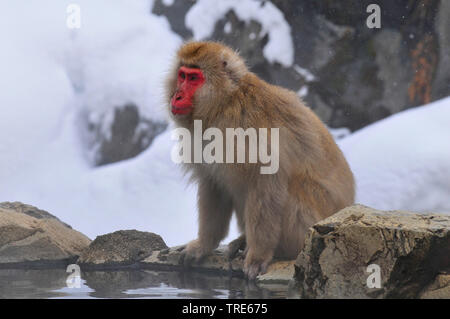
(193, 77)
(182, 75)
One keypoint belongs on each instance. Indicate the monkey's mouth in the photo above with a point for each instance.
(181, 109)
(181, 103)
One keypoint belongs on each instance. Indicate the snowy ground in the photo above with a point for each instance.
(51, 74)
(403, 161)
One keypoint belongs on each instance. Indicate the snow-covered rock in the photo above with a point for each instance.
(202, 17)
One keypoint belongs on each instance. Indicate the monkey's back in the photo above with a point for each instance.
(308, 154)
(317, 157)
(319, 179)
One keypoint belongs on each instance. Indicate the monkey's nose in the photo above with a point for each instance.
(178, 96)
(179, 100)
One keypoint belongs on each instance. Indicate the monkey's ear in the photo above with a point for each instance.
(233, 65)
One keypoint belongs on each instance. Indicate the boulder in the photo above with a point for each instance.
(31, 237)
(119, 133)
(438, 289)
(122, 248)
(344, 253)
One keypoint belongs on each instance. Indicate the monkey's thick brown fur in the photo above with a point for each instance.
(273, 211)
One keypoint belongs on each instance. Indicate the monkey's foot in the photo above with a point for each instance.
(234, 247)
(193, 253)
(254, 266)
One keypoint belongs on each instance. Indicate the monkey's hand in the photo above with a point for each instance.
(194, 253)
(256, 264)
(234, 247)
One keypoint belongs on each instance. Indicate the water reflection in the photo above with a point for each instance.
(19, 283)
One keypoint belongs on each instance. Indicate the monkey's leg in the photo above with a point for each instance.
(215, 209)
(263, 211)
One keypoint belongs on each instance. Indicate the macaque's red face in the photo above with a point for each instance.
(188, 81)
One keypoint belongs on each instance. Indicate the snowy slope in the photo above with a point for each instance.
(403, 162)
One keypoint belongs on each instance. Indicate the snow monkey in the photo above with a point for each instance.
(211, 83)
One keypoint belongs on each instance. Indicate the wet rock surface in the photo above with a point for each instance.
(218, 262)
(138, 250)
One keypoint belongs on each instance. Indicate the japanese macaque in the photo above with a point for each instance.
(210, 82)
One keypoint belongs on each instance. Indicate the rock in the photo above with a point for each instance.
(30, 237)
(410, 249)
(175, 15)
(442, 79)
(279, 272)
(361, 75)
(439, 289)
(412, 252)
(33, 237)
(120, 249)
(120, 133)
(217, 262)
(29, 210)
(367, 74)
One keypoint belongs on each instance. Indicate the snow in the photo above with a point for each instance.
(111, 60)
(339, 133)
(403, 161)
(203, 15)
(307, 75)
(227, 27)
(168, 3)
(50, 75)
(303, 91)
